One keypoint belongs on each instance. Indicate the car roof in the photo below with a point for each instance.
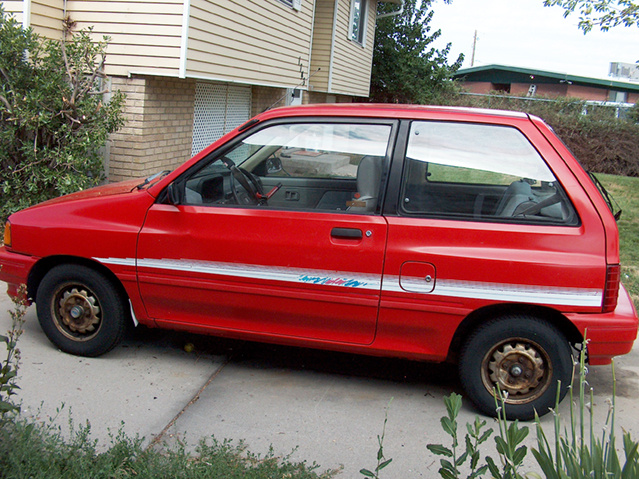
(384, 110)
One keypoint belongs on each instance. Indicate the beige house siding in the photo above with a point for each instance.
(46, 18)
(253, 42)
(159, 130)
(352, 62)
(145, 35)
(322, 41)
(345, 64)
(160, 49)
(259, 42)
(14, 7)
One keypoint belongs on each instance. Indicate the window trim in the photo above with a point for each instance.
(399, 165)
(294, 4)
(385, 180)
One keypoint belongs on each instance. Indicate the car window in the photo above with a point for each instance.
(314, 165)
(481, 172)
(317, 150)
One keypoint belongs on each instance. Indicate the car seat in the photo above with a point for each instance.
(369, 175)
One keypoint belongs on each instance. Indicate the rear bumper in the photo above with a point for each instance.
(14, 269)
(609, 334)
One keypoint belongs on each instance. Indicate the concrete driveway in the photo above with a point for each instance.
(326, 407)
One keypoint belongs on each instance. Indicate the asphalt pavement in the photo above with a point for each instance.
(316, 406)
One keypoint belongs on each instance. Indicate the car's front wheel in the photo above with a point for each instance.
(525, 357)
(80, 310)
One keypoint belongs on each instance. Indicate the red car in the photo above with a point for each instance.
(431, 233)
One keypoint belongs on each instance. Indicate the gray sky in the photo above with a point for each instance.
(524, 33)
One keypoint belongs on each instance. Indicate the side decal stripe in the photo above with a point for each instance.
(450, 288)
(505, 292)
(273, 273)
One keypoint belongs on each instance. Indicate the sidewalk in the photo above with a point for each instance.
(329, 406)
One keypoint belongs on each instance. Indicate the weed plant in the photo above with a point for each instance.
(9, 366)
(382, 462)
(575, 452)
(475, 436)
(578, 452)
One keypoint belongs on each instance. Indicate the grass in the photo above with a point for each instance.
(625, 191)
(39, 450)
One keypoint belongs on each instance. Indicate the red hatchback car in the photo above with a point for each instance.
(431, 233)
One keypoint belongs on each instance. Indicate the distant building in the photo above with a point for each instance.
(529, 82)
(624, 71)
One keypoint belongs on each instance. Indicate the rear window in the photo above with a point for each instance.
(480, 172)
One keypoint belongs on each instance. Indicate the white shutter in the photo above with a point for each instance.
(219, 108)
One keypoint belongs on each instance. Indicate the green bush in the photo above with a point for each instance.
(53, 115)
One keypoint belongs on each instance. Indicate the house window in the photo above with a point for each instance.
(618, 96)
(358, 21)
(295, 4)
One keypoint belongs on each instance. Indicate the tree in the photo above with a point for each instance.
(406, 69)
(602, 13)
(53, 115)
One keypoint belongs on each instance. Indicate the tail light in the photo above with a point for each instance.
(611, 292)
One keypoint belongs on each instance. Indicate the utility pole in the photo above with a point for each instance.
(472, 58)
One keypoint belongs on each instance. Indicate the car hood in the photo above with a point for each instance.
(99, 191)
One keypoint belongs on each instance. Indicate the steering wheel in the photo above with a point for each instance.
(248, 190)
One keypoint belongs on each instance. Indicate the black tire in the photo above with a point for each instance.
(522, 355)
(80, 310)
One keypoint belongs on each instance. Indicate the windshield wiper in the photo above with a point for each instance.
(612, 204)
(152, 178)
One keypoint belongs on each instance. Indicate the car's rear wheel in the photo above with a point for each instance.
(80, 310)
(522, 356)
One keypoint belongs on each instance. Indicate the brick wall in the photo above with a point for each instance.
(265, 97)
(159, 126)
(321, 97)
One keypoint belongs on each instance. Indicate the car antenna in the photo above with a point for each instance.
(294, 88)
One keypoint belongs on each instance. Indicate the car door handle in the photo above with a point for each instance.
(352, 233)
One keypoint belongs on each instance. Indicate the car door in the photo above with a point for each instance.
(480, 220)
(222, 259)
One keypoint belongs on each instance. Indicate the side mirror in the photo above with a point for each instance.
(174, 194)
(273, 165)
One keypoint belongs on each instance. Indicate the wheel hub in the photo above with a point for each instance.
(76, 312)
(79, 311)
(518, 368)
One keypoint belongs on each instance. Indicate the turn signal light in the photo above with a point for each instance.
(7, 234)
